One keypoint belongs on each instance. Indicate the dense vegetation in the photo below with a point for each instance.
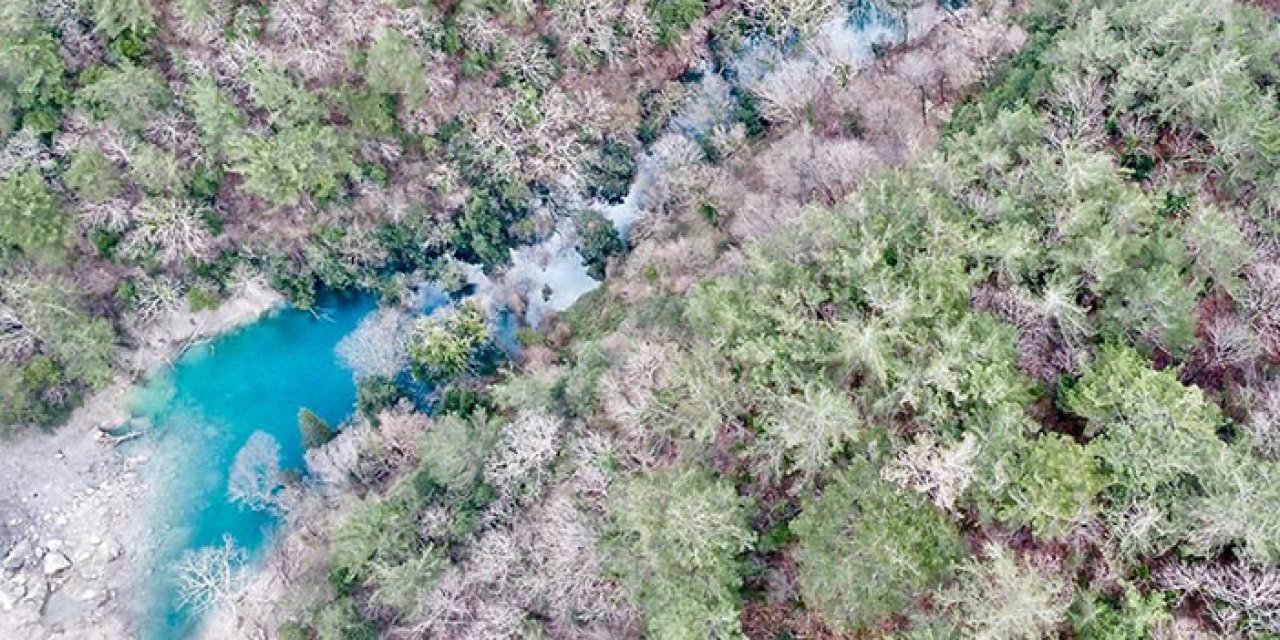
(1022, 384)
(154, 158)
(1022, 387)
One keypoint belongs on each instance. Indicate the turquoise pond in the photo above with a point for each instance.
(203, 410)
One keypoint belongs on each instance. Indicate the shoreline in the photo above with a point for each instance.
(72, 537)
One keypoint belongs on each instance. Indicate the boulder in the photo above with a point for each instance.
(56, 562)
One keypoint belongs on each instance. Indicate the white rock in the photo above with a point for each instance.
(112, 549)
(37, 592)
(55, 562)
(18, 555)
(11, 594)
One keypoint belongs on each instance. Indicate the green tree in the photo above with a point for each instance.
(1003, 598)
(217, 118)
(443, 347)
(315, 431)
(394, 66)
(674, 17)
(32, 75)
(866, 550)
(114, 17)
(1152, 433)
(92, 176)
(309, 161)
(675, 538)
(598, 240)
(129, 95)
(31, 218)
(1136, 616)
(1055, 487)
(340, 620)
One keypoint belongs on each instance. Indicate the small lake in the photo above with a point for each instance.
(202, 412)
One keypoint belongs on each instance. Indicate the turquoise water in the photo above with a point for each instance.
(206, 407)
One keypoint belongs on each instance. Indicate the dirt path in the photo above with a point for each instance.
(72, 543)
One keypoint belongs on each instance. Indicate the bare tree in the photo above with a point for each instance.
(378, 345)
(256, 481)
(173, 229)
(520, 462)
(943, 473)
(1244, 598)
(211, 576)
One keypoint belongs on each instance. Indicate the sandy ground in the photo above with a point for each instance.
(70, 501)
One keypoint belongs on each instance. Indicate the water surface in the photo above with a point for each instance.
(204, 409)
